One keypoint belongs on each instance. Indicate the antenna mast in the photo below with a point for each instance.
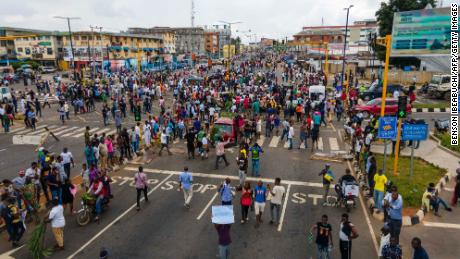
(193, 13)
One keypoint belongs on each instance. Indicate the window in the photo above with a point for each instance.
(76, 37)
(49, 51)
(98, 37)
(20, 50)
(90, 37)
(83, 37)
(59, 49)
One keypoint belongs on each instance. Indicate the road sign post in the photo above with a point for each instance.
(386, 130)
(414, 132)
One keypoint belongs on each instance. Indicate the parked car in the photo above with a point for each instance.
(47, 69)
(5, 93)
(439, 87)
(375, 91)
(373, 107)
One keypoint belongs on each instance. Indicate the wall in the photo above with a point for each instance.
(404, 77)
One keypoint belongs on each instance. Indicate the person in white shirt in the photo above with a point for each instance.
(56, 217)
(164, 142)
(277, 193)
(290, 136)
(67, 160)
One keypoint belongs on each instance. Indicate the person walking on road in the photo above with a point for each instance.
(277, 193)
(255, 157)
(57, 219)
(419, 251)
(328, 177)
(290, 136)
(220, 152)
(346, 234)
(323, 237)
(164, 142)
(260, 197)
(67, 161)
(393, 202)
(223, 231)
(380, 180)
(185, 183)
(241, 162)
(225, 192)
(392, 250)
(140, 180)
(246, 201)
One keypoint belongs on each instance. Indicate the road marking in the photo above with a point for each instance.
(38, 132)
(261, 140)
(320, 143)
(333, 144)
(7, 255)
(115, 220)
(283, 212)
(73, 132)
(102, 131)
(286, 144)
(207, 206)
(3, 149)
(90, 131)
(302, 146)
(232, 177)
(64, 131)
(368, 221)
(111, 132)
(340, 135)
(28, 129)
(333, 128)
(441, 225)
(274, 141)
(18, 129)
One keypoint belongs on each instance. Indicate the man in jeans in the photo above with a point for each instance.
(220, 152)
(223, 230)
(255, 155)
(323, 237)
(275, 203)
(67, 161)
(393, 202)
(225, 191)
(379, 189)
(140, 180)
(185, 183)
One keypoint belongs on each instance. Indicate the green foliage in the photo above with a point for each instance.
(411, 189)
(32, 63)
(445, 142)
(36, 242)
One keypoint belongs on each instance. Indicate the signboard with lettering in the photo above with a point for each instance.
(223, 214)
(387, 127)
(414, 131)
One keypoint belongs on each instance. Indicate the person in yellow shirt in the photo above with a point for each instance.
(380, 181)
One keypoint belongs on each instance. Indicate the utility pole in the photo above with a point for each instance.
(71, 42)
(344, 53)
(192, 14)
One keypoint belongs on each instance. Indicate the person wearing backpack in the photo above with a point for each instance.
(140, 180)
(346, 234)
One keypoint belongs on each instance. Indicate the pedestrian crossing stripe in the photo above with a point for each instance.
(83, 133)
(24, 130)
(73, 132)
(320, 143)
(333, 144)
(58, 133)
(286, 144)
(261, 140)
(40, 131)
(274, 141)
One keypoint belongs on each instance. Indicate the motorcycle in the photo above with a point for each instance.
(88, 210)
(348, 193)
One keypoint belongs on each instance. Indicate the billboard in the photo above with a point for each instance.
(421, 32)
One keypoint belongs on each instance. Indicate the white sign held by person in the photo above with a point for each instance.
(223, 214)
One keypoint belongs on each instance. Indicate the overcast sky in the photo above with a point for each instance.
(267, 18)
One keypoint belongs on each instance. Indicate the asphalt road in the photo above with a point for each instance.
(165, 229)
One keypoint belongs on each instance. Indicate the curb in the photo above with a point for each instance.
(437, 110)
(432, 136)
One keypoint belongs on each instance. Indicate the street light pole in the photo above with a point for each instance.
(70, 38)
(344, 49)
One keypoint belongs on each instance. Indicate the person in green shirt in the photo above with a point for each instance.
(256, 107)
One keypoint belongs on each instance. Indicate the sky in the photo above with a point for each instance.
(265, 18)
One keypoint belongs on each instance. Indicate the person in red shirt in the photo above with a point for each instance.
(98, 190)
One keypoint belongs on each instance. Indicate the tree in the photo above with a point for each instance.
(385, 20)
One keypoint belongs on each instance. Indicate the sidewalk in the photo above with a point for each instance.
(430, 152)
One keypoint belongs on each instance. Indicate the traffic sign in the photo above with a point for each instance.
(414, 131)
(387, 127)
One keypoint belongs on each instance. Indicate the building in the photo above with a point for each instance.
(224, 34)
(41, 48)
(357, 33)
(187, 40)
(7, 47)
(166, 33)
(212, 45)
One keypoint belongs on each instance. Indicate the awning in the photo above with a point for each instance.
(44, 43)
(117, 48)
(125, 48)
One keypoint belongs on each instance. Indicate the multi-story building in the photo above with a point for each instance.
(41, 48)
(7, 47)
(212, 43)
(166, 33)
(224, 35)
(190, 40)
